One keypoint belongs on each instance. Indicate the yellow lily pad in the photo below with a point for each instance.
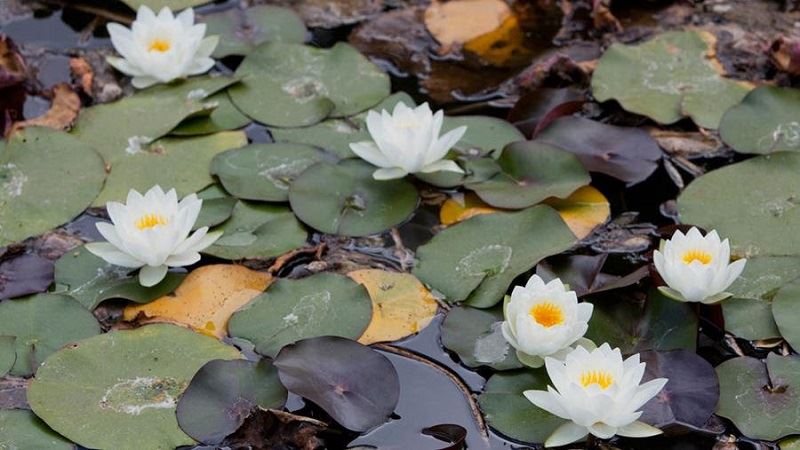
(583, 211)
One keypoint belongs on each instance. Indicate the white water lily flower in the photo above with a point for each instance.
(697, 268)
(407, 141)
(151, 232)
(598, 393)
(162, 48)
(545, 320)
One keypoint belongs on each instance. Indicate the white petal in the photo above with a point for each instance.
(142, 82)
(546, 401)
(182, 259)
(369, 152)
(444, 165)
(647, 391)
(602, 430)
(446, 142)
(566, 434)
(112, 255)
(151, 276)
(200, 66)
(186, 17)
(207, 47)
(638, 430)
(389, 173)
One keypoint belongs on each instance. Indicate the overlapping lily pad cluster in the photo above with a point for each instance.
(351, 159)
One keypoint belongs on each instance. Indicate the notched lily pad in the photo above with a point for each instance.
(323, 304)
(476, 336)
(223, 117)
(765, 121)
(672, 76)
(344, 199)
(241, 30)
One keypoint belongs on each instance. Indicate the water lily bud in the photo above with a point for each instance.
(151, 232)
(598, 393)
(162, 48)
(545, 320)
(697, 268)
(407, 141)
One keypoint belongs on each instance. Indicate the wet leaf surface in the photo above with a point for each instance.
(356, 385)
(475, 335)
(25, 274)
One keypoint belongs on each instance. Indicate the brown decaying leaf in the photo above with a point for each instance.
(62, 113)
(274, 429)
(83, 72)
(205, 300)
(401, 305)
(456, 22)
(12, 67)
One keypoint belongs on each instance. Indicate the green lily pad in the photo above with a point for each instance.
(336, 135)
(477, 259)
(156, 5)
(8, 354)
(21, 429)
(476, 170)
(224, 117)
(240, 30)
(223, 394)
(765, 121)
(264, 171)
(754, 203)
(47, 177)
(660, 324)
(291, 85)
(42, 324)
(787, 314)
(217, 207)
(344, 199)
(324, 304)
(761, 399)
(180, 163)
(258, 231)
(509, 413)
(117, 129)
(90, 280)
(119, 390)
(532, 172)
(749, 318)
(476, 336)
(667, 78)
(484, 134)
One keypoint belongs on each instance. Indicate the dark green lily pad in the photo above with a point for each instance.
(8, 354)
(240, 30)
(116, 129)
(754, 203)
(476, 170)
(475, 335)
(258, 231)
(763, 276)
(667, 78)
(324, 304)
(761, 399)
(786, 311)
(484, 134)
(90, 280)
(224, 117)
(217, 207)
(264, 171)
(477, 259)
(47, 177)
(291, 85)
(21, 429)
(344, 199)
(509, 413)
(180, 163)
(42, 324)
(119, 390)
(749, 318)
(222, 394)
(660, 324)
(531, 172)
(765, 121)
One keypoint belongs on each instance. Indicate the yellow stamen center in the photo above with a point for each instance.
(150, 221)
(159, 45)
(696, 255)
(598, 377)
(547, 314)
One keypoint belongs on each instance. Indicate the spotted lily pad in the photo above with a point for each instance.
(763, 191)
(21, 429)
(672, 76)
(765, 121)
(760, 398)
(476, 336)
(119, 390)
(46, 178)
(344, 199)
(224, 117)
(264, 171)
(323, 304)
(242, 30)
(509, 413)
(222, 394)
(531, 172)
(118, 130)
(258, 231)
(42, 324)
(477, 259)
(290, 85)
(170, 163)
